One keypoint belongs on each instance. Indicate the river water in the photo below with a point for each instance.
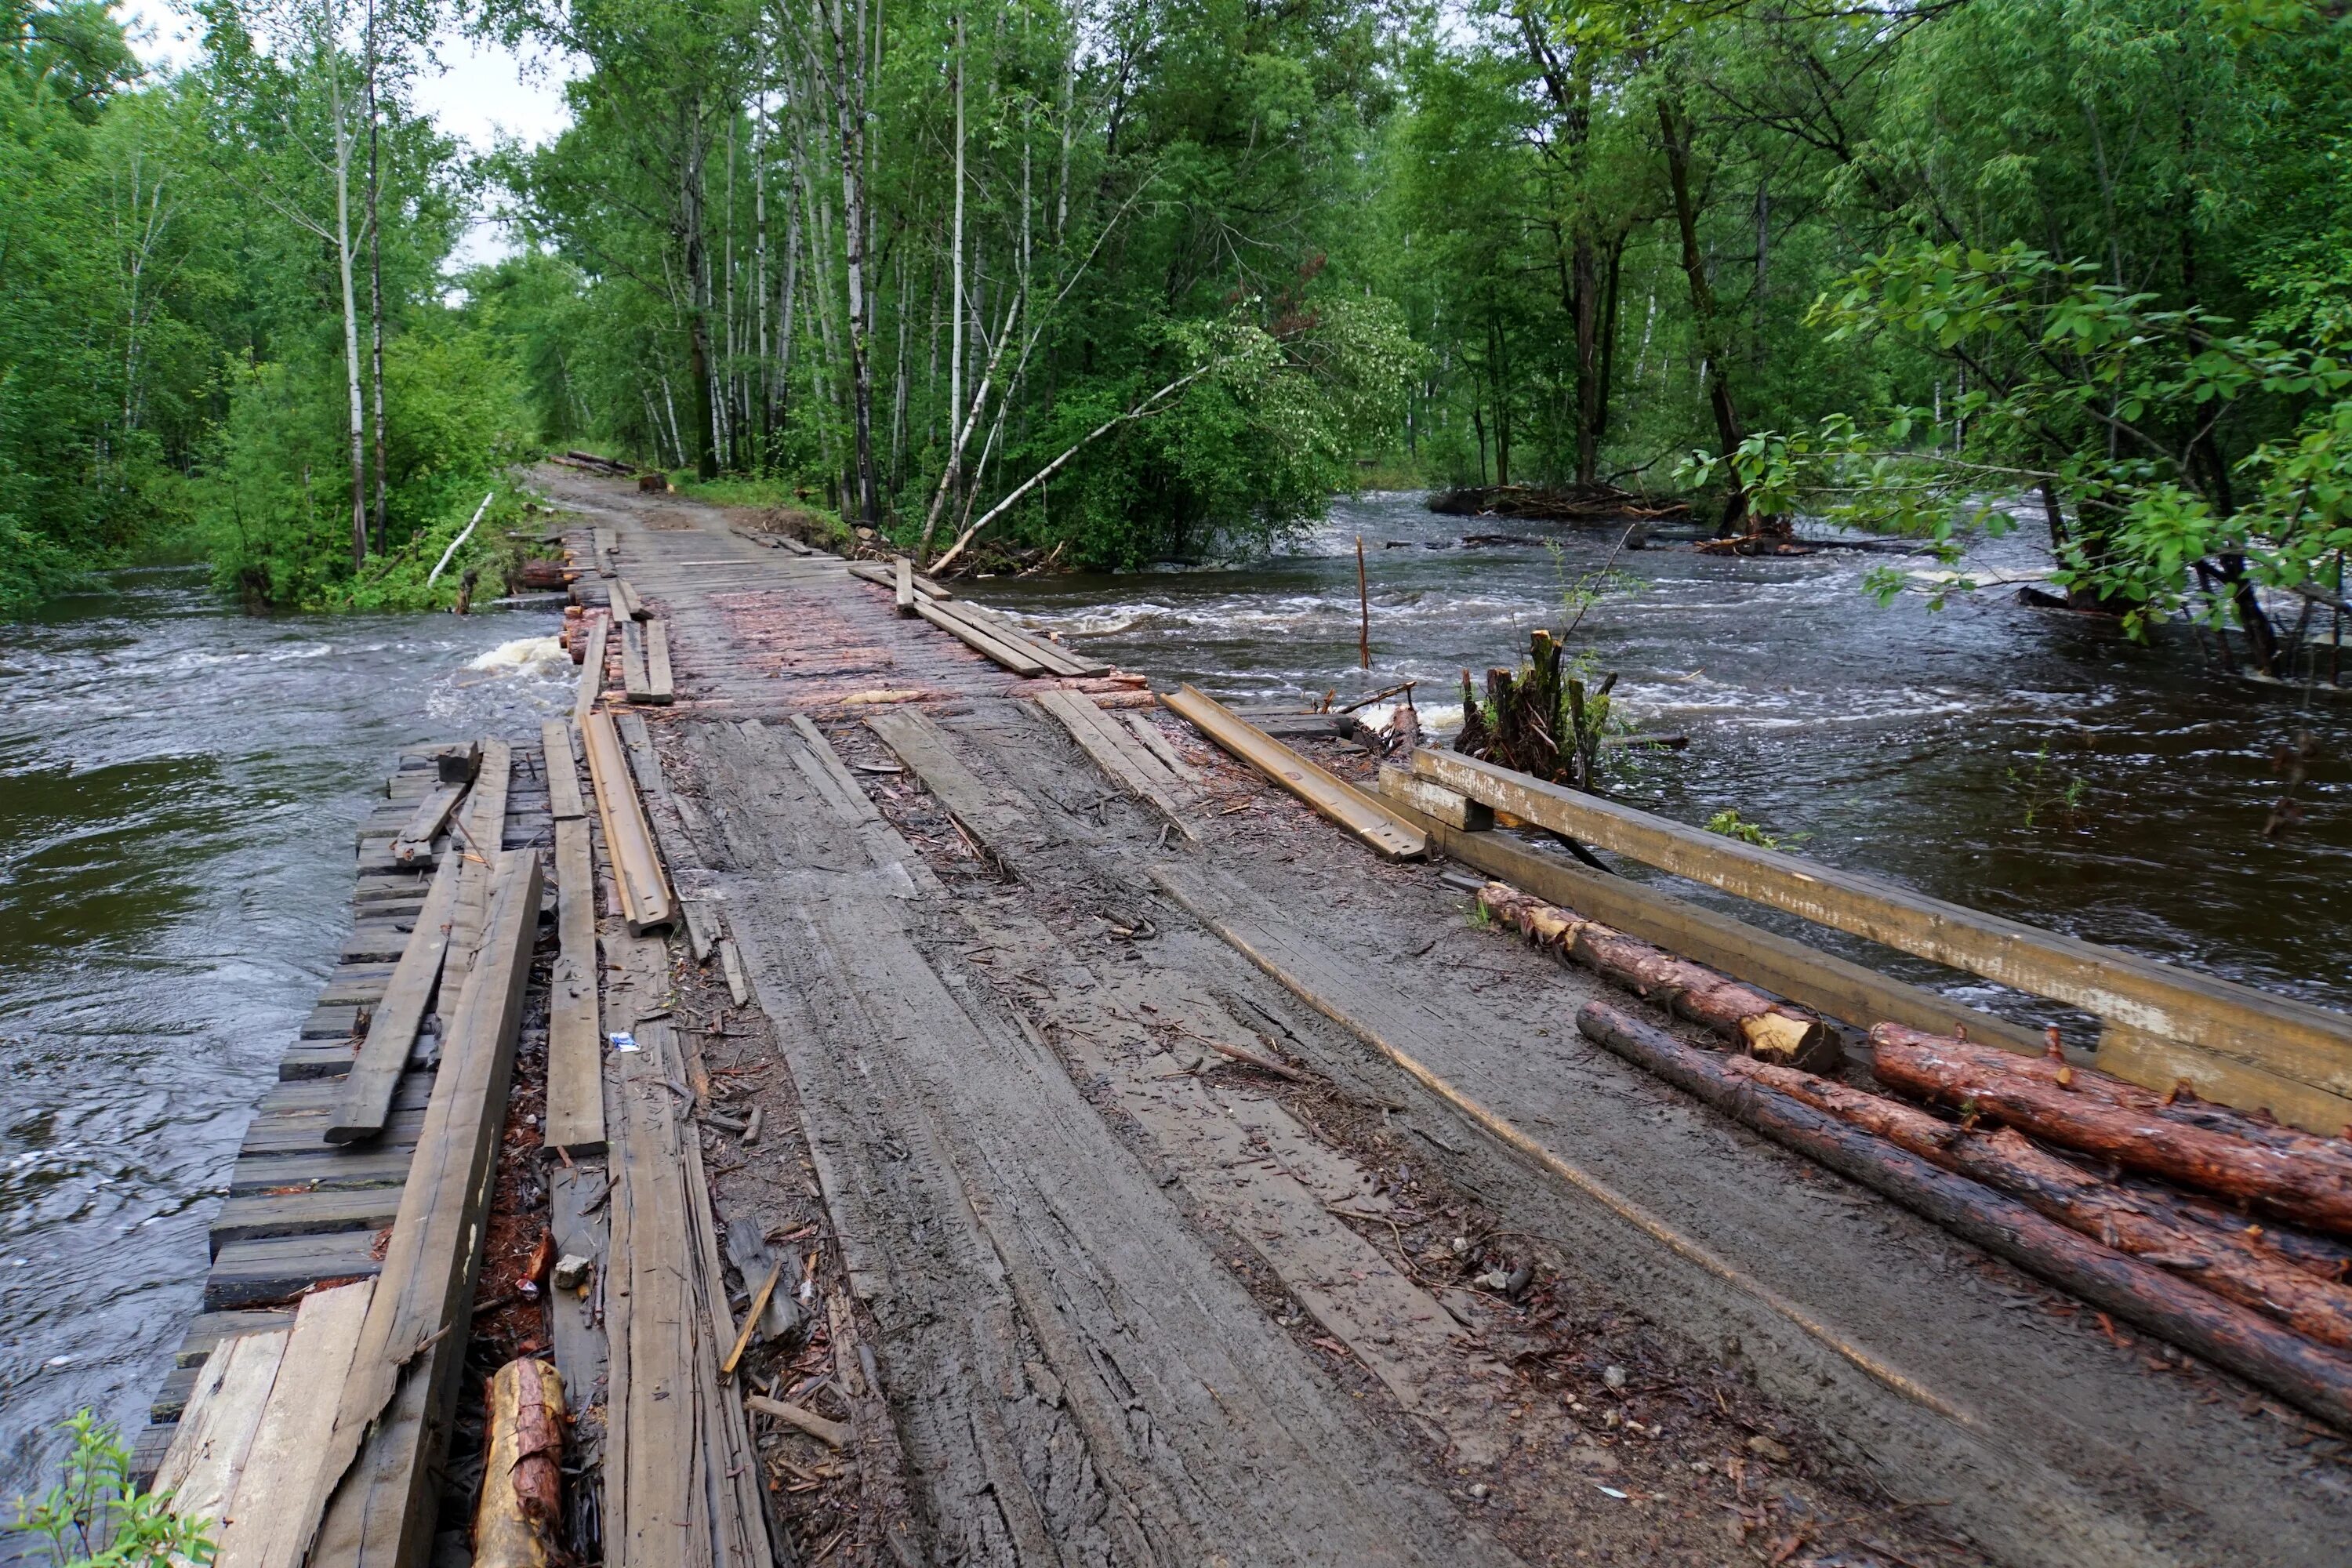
(179, 786)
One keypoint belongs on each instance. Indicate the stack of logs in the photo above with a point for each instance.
(2214, 1228)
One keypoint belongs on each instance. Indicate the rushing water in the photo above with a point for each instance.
(2032, 763)
(178, 792)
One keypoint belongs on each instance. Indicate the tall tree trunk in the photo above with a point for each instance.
(1675, 130)
(1585, 300)
(344, 266)
(375, 274)
(697, 272)
(850, 110)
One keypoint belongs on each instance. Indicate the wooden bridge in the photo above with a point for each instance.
(874, 1084)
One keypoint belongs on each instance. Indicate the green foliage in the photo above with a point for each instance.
(1730, 823)
(95, 1518)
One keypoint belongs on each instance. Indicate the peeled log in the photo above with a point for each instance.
(2267, 1355)
(522, 1471)
(2308, 1180)
(1761, 1025)
(2230, 1266)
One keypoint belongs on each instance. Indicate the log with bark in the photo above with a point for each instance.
(2319, 1254)
(522, 1471)
(1761, 1024)
(2229, 1264)
(2297, 1177)
(2267, 1355)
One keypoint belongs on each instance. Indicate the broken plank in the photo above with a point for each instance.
(424, 824)
(563, 800)
(1088, 726)
(392, 1419)
(1380, 829)
(647, 902)
(575, 1059)
(887, 578)
(366, 1101)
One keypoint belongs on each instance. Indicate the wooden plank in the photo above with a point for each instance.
(373, 1503)
(2162, 1063)
(212, 1329)
(1822, 981)
(264, 1519)
(318, 1211)
(647, 902)
(1057, 660)
(271, 1269)
(316, 1165)
(659, 687)
(457, 763)
(605, 543)
(1088, 727)
(738, 990)
(1406, 791)
(1018, 660)
(920, 744)
(632, 663)
(575, 1055)
(481, 827)
(366, 1101)
(1380, 829)
(424, 824)
(2290, 1039)
(592, 666)
(874, 572)
(1157, 744)
(576, 1195)
(904, 584)
(207, 1459)
(625, 600)
(563, 802)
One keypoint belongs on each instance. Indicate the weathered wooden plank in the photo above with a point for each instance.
(318, 1211)
(920, 744)
(1087, 726)
(576, 1195)
(605, 543)
(293, 1133)
(263, 1527)
(1380, 829)
(1149, 734)
(1019, 661)
(456, 762)
(632, 663)
(270, 1268)
(563, 801)
(874, 572)
(481, 830)
(592, 665)
(1824, 982)
(1405, 790)
(371, 1505)
(625, 600)
(2290, 1039)
(424, 824)
(312, 1165)
(646, 900)
(659, 687)
(210, 1329)
(575, 1064)
(1057, 660)
(207, 1459)
(366, 1101)
(903, 584)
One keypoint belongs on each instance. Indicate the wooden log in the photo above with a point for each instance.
(2308, 1181)
(592, 666)
(905, 586)
(424, 824)
(647, 902)
(2273, 1357)
(391, 1416)
(478, 831)
(459, 763)
(2307, 1049)
(2231, 1266)
(366, 1102)
(1381, 831)
(1762, 1025)
(516, 1522)
(563, 801)
(660, 689)
(575, 1042)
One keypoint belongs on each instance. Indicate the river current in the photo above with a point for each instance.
(179, 785)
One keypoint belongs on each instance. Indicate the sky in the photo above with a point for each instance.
(483, 90)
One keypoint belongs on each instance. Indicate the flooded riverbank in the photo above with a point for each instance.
(2032, 763)
(178, 790)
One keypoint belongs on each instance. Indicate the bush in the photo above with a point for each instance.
(94, 1516)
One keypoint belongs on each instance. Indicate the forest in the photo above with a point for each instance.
(1108, 282)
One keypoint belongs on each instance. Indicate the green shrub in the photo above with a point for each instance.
(94, 1516)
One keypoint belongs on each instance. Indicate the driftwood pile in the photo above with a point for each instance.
(1583, 503)
(2220, 1230)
